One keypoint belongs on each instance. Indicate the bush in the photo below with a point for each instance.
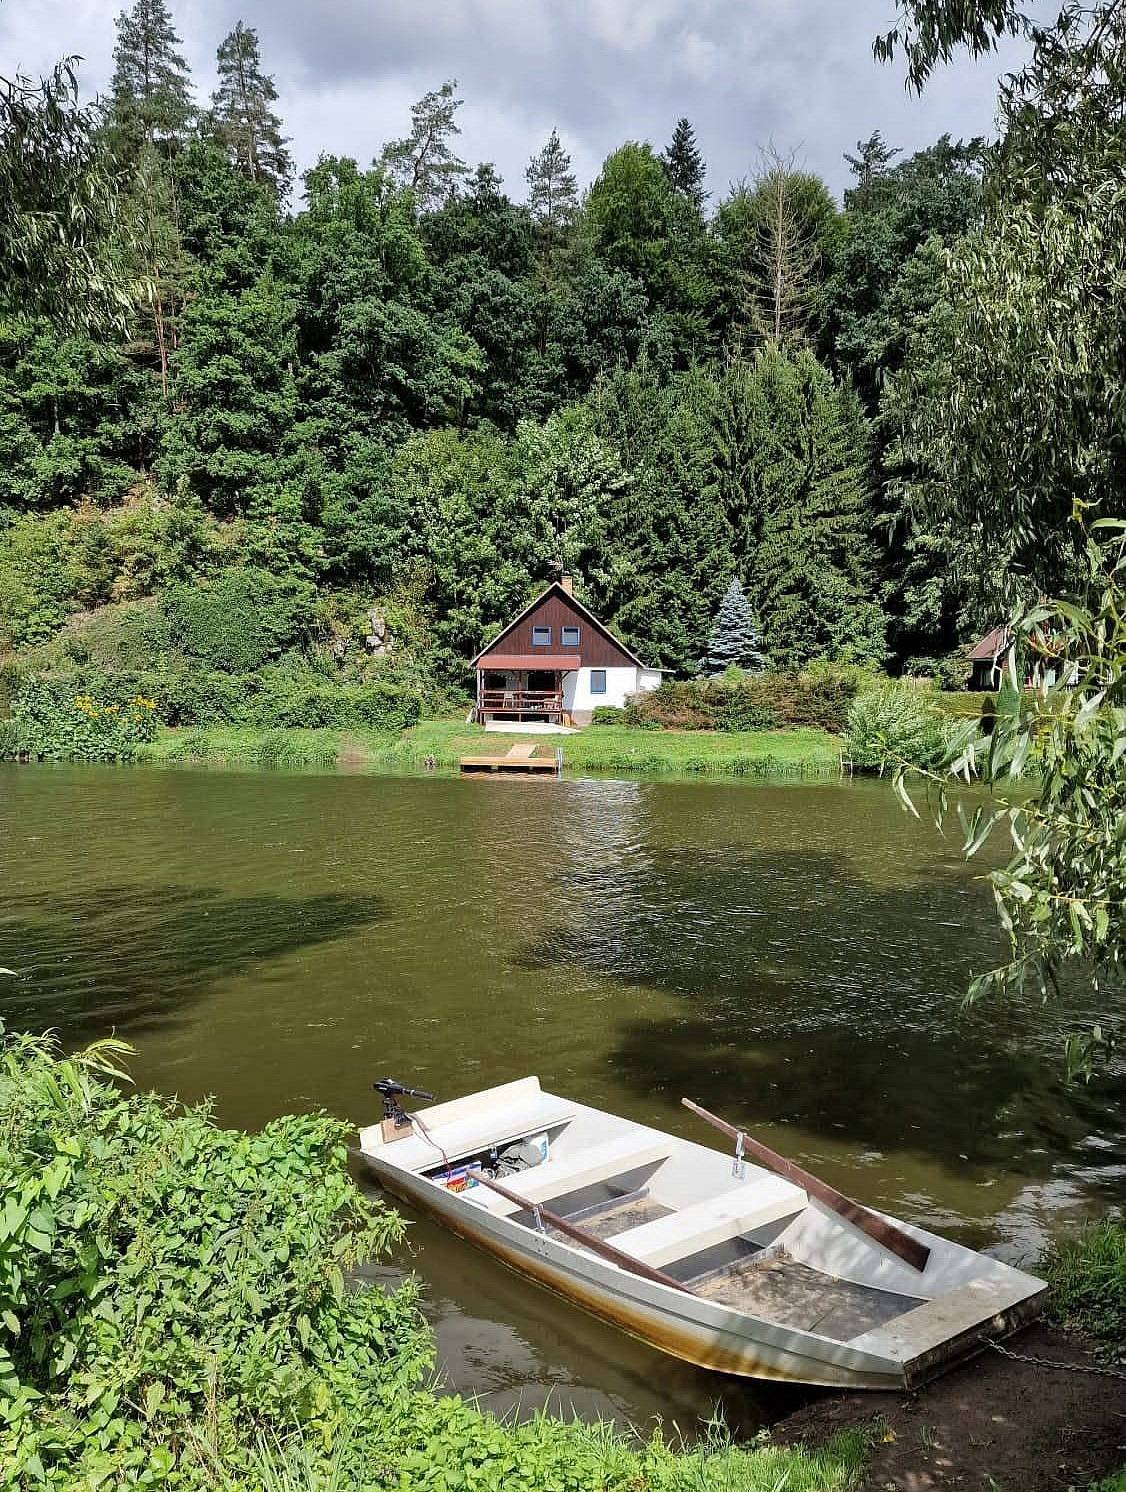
(763, 701)
(240, 620)
(893, 724)
(1088, 1280)
(608, 715)
(52, 721)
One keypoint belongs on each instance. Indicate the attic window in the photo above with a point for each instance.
(569, 637)
(541, 637)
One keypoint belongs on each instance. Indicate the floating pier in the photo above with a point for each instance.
(518, 761)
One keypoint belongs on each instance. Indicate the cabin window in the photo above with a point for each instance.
(598, 681)
(541, 637)
(570, 637)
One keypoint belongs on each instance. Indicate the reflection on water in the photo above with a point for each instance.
(791, 956)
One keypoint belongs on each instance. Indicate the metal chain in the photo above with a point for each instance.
(1046, 1362)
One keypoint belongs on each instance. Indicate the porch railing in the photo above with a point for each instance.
(520, 702)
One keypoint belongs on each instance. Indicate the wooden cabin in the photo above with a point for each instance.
(555, 664)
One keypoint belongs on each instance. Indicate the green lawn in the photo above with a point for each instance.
(611, 748)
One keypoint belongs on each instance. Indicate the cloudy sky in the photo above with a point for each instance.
(797, 74)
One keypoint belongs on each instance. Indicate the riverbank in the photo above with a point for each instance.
(800, 752)
(994, 1423)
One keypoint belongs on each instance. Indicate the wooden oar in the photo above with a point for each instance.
(907, 1248)
(580, 1235)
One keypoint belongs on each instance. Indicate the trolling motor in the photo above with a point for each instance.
(394, 1118)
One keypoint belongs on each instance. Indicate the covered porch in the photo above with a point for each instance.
(523, 688)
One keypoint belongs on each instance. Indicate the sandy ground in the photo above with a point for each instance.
(993, 1425)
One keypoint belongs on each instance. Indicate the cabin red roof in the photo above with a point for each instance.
(991, 644)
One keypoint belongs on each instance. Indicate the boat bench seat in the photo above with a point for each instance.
(681, 1234)
(586, 1167)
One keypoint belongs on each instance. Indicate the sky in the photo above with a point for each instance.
(794, 75)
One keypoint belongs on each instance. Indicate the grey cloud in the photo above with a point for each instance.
(797, 73)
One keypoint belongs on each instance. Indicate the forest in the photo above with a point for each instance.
(401, 390)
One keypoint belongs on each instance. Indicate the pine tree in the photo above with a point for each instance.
(150, 95)
(553, 192)
(242, 115)
(424, 161)
(734, 640)
(684, 163)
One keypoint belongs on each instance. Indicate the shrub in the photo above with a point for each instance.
(756, 702)
(161, 1283)
(308, 699)
(893, 724)
(240, 620)
(608, 715)
(51, 721)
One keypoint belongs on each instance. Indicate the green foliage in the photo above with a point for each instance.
(309, 700)
(607, 715)
(893, 724)
(49, 721)
(1060, 897)
(239, 620)
(58, 206)
(1087, 1276)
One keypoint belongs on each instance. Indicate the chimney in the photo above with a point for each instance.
(568, 583)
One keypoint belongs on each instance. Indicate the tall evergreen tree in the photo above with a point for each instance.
(734, 640)
(553, 193)
(684, 163)
(242, 112)
(151, 92)
(424, 161)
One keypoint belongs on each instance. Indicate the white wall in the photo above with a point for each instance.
(620, 684)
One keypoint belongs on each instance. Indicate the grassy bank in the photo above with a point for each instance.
(768, 753)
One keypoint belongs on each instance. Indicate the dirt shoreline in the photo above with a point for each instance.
(992, 1425)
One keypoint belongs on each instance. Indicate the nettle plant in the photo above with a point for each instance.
(170, 1291)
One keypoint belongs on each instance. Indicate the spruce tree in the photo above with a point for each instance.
(734, 641)
(684, 163)
(424, 162)
(242, 113)
(150, 95)
(553, 192)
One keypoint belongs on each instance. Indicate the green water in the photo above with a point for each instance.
(791, 956)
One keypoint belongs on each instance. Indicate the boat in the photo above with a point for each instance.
(755, 1269)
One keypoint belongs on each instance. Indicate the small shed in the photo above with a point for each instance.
(987, 659)
(556, 663)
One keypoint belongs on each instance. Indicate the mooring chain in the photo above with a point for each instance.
(1047, 1362)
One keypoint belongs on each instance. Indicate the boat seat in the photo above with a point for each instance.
(681, 1234)
(586, 1167)
(475, 1132)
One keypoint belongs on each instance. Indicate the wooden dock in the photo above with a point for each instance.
(518, 761)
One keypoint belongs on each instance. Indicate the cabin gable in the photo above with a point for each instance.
(556, 627)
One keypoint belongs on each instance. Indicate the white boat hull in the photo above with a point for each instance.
(899, 1353)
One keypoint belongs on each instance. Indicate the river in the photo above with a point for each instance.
(792, 956)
